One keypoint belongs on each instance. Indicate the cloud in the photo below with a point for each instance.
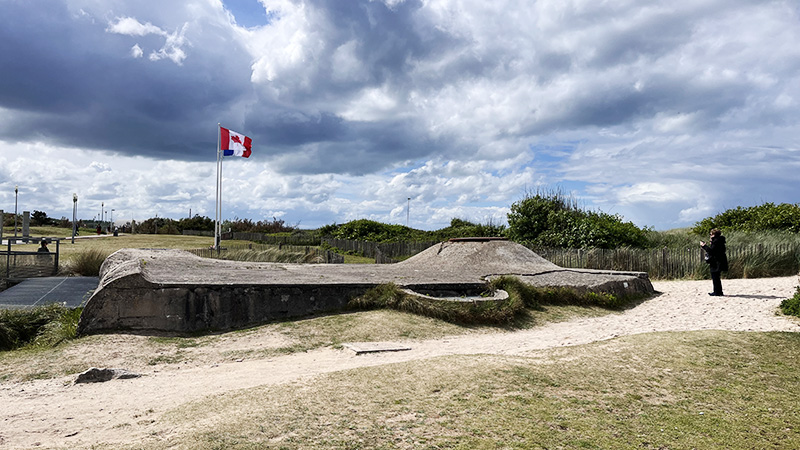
(658, 111)
(173, 42)
(136, 51)
(132, 27)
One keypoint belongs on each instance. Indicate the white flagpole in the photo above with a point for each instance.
(217, 208)
(221, 158)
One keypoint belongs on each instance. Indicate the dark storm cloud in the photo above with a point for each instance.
(357, 148)
(72, 83)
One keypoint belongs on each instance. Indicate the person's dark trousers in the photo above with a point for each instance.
(717, 282)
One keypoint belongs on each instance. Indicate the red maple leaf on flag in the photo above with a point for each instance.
(236, 139)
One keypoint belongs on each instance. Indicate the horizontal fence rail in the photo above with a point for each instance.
(17, 265)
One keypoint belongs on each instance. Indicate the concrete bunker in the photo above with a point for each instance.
(176, 291)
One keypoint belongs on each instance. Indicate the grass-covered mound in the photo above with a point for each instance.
(494, 312)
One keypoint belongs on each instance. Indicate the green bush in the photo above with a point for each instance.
(41, 326)
(460, 228)
(765, 217)
(791, 306)
(370, 230)
(550, 219)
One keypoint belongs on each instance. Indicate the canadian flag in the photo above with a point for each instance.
(234, 144)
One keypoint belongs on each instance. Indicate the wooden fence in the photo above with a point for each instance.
(382, 252)
(757, 260)
(312, 253)
(744, 261)
(297, 239)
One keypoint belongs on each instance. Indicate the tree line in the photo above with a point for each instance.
(540, 219)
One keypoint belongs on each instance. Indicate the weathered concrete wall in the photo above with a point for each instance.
(209, 307)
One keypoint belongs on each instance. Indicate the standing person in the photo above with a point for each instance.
(717, 259)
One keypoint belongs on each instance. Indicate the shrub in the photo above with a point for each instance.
(791, 306)
(460, 228)
(550, 219)
(765, 217)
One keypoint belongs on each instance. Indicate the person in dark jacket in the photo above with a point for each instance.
(717, 259)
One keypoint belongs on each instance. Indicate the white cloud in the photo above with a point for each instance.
(173, 42)
(129, 26)
(137, 51)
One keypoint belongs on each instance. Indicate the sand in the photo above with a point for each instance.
(57, 412)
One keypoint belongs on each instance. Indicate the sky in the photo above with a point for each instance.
(402, 111)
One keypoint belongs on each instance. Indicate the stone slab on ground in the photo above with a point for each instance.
(375, 347)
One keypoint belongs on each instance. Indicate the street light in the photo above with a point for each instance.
(74, 215)
(408, 209)
(112, 218)
(16, 196)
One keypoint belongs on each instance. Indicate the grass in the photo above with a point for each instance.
(44, 326)
(515, 310)
(709, 389)
(705, 389)
(71, 254)
(483, 312)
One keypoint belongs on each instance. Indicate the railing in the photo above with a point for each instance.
(16, 265)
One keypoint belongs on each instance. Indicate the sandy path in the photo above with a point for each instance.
(58, 413)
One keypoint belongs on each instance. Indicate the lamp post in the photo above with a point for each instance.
(16, 197)
(112, 218)
(74, 215)
(408, 209)
(102, 207)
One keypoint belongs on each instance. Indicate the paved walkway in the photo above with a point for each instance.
(69, 291)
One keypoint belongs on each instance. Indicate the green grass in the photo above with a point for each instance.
(514, 311)
(43, 326)
(709, 390)
(481, 312)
